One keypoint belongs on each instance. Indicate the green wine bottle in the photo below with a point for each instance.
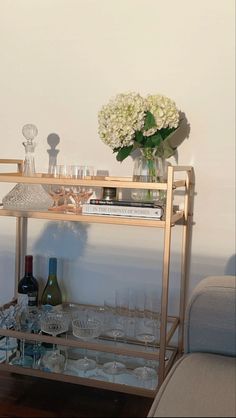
(52, 293)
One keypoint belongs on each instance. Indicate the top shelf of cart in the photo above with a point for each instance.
(94, 181)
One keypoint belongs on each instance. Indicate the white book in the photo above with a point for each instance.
(137, 212)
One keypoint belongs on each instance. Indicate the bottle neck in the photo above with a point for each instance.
(52, 267)
(29, 164)
(28, 265)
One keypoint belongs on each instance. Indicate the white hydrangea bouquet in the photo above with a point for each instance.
(130, 121)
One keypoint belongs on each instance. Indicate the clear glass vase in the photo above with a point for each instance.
(28, 196)
(152, 169)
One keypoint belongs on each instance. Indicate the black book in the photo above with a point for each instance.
(132, 203)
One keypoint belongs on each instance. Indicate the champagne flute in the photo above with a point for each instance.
(24, 324)
(146, 328)
(114, 328)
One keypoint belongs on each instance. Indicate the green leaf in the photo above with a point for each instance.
(139, 137)
(148, 143)
(124, 153)
(156, 139)
(149, 121)
(165, 132)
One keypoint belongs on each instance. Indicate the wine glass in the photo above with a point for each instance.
(34, 349)
(146, 327)
(54, 323)
(81, 194)
(115, 328)
(86, 328)
(56, 191)
(24, 322)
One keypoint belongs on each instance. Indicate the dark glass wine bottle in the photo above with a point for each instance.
(28, 285)
(52, 293)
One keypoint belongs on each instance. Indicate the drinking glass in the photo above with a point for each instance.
(65, 172)
(146, 327)
(81, 194)
(115, 311)
(34, 349)
(54, 323)
(23, 324)
(86, 328)
(56, 191)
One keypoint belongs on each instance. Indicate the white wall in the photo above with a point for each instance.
(61, 60)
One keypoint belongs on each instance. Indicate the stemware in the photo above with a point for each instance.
(24, 323)
(146, 328)
(56, 191)
(80, 194)
(86, 328)
(54, 323)
(115, 323)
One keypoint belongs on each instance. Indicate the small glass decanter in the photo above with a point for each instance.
(28, 196)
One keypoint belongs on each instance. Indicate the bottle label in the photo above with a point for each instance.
(32, 298)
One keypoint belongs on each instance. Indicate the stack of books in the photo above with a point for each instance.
(125, 208)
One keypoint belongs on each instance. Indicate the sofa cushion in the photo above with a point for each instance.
(198, 385)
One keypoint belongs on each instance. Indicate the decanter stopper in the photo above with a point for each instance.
(29, 131)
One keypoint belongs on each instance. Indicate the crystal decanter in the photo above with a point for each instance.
(28, 196)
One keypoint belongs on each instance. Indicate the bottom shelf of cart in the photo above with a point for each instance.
(125, 382)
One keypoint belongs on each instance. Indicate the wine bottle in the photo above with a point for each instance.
(28, 285)
(52, 293)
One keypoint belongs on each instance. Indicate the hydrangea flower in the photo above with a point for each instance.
(120, 118)
(130, 121)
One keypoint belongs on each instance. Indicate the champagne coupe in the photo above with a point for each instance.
(65, 172)
(56, 191)
(54, 323)
(86, 328)
(81, 194)
(59, 192)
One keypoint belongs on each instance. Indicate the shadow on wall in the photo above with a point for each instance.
(52, 140)
(64, 240)
(180, 134)
(230, 267)
(202, 267)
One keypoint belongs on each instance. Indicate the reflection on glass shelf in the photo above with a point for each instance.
(2, 356)
(128, 377)
(71, 357)
(8, 343)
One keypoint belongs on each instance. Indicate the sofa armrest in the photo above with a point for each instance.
(210, 324)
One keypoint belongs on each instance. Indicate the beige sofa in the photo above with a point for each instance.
(203, 382)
